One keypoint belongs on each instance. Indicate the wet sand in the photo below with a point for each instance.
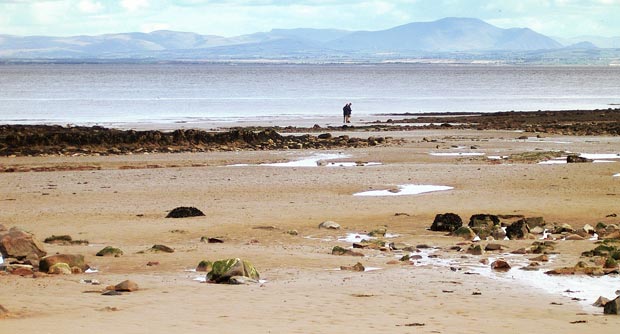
(125, 207)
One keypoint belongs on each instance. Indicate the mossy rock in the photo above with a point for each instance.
(205, 266)
(60, 269)
(223, 270)
(465, 233)
(110, 251)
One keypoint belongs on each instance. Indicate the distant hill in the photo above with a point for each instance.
(448, 38)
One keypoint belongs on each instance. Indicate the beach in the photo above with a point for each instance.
(269, 215)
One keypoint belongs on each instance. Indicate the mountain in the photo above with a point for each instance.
(598, 41)
(449, 34)
(448, 38)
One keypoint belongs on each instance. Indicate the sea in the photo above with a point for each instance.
(127, 95)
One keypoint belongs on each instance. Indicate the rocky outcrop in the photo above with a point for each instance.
(223, 270)
(22, 246)
(447, 222)
(72, 260)
(184, 212)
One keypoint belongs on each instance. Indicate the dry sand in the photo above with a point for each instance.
(125, 208)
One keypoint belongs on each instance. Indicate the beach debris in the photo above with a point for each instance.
(110, 251)
(59, 269)
(500, 265)
(184, 212)
(337, 250)
(204, 265)
(612, 307)
(223, 270)
(413, 324)
(72, 260)
(356, 267)
(518, 230)
(124, 286)
(330, 225)
(64, 240)
(447, 222)
(22, 246)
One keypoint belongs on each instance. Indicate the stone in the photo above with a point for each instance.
(541, 258)
(500, 265)
(330, 225)
(447, 222)
(475, 250)
(571, 159)
(564, 228)
(600, 302)
(337, 250)
(612, 307)
(535, 221)
(127, 285)
(537, 230)
(223, 270)
(161, 248)
(483, 221)
(357, 267)
(498, 233)
(493, 247)
(588, 229)
(59, 269)
(398, 245)
(378, 232)
(184, 212)
(20, 270)
(241, 280)
(205, 266)
(574, 237)
(21, 245)
(518, 230)
(112, 293)
(465, 232)
(110, 251)
(72, 260)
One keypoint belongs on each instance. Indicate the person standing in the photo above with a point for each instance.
(346, 113)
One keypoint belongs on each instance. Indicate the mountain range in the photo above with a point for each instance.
(448, 37)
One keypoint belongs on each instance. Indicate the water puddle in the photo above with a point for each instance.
(406, 189)
(316, 160)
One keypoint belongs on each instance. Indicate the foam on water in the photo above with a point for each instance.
(405, 189)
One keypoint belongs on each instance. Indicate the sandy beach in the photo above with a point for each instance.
(123, 200)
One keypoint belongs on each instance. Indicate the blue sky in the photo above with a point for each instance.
(558, 18)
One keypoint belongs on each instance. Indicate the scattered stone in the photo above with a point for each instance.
(161, 248)
(580, 268)
(330, 225)
(337, 250)
(483, 221)
(72, 260)
(535, 221)
(537, 230)
(357, 267)
(110, 251)
(59, 269)
(126, 286)
(20, 270)
(498, 233)
(64, 240)
(447, 222)
(533, 266)
(184, 212)
(398, 245)
(543, 247)
(564, 228)
(223, 270)
(612, 307)
(500, 265)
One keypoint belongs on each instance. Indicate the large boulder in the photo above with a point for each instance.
(447, 222)
(483, 221)
(518, 230)
(21, 246)
(223, 270)
(612, 307)
(73, 260)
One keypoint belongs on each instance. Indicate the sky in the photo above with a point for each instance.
(556, 18)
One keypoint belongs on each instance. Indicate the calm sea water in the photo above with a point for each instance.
(179, 93)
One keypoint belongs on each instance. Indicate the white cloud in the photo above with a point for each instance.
(149, 27)
(134, 5)
(90, 7)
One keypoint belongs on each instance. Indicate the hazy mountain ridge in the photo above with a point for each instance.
(448, 37)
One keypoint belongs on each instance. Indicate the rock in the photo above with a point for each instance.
(493, 247)
(357, 267)
(59, 269)
(398, 245)
(20, 270)
(152, 263)
(58, 239)
(475, 250)
(564, 228)
(500, 265)
(447, 222)
(541, 258)
(3, 312)
(223, 270)
(21, 245)
(544, 247)
(184, 212)
(600, 302)
(588, 229)
(576, 159)
(72, 260)
(379, 232)
(517, 230)
(574, 237)
(330, 225)
(337, 250)
(579, 268)
(292, 232)
(465, 232)
(325, 136)
(537, 230)
(535, 221)
(498, 233)
(612, 307)
(212, 240)
(128, 286)
(112, 293)
(241, 280)
(483, 221)
(110, 251)
(205, 266)
(161, 248)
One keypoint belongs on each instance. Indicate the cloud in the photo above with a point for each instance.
(134, 5)
(90, 7)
